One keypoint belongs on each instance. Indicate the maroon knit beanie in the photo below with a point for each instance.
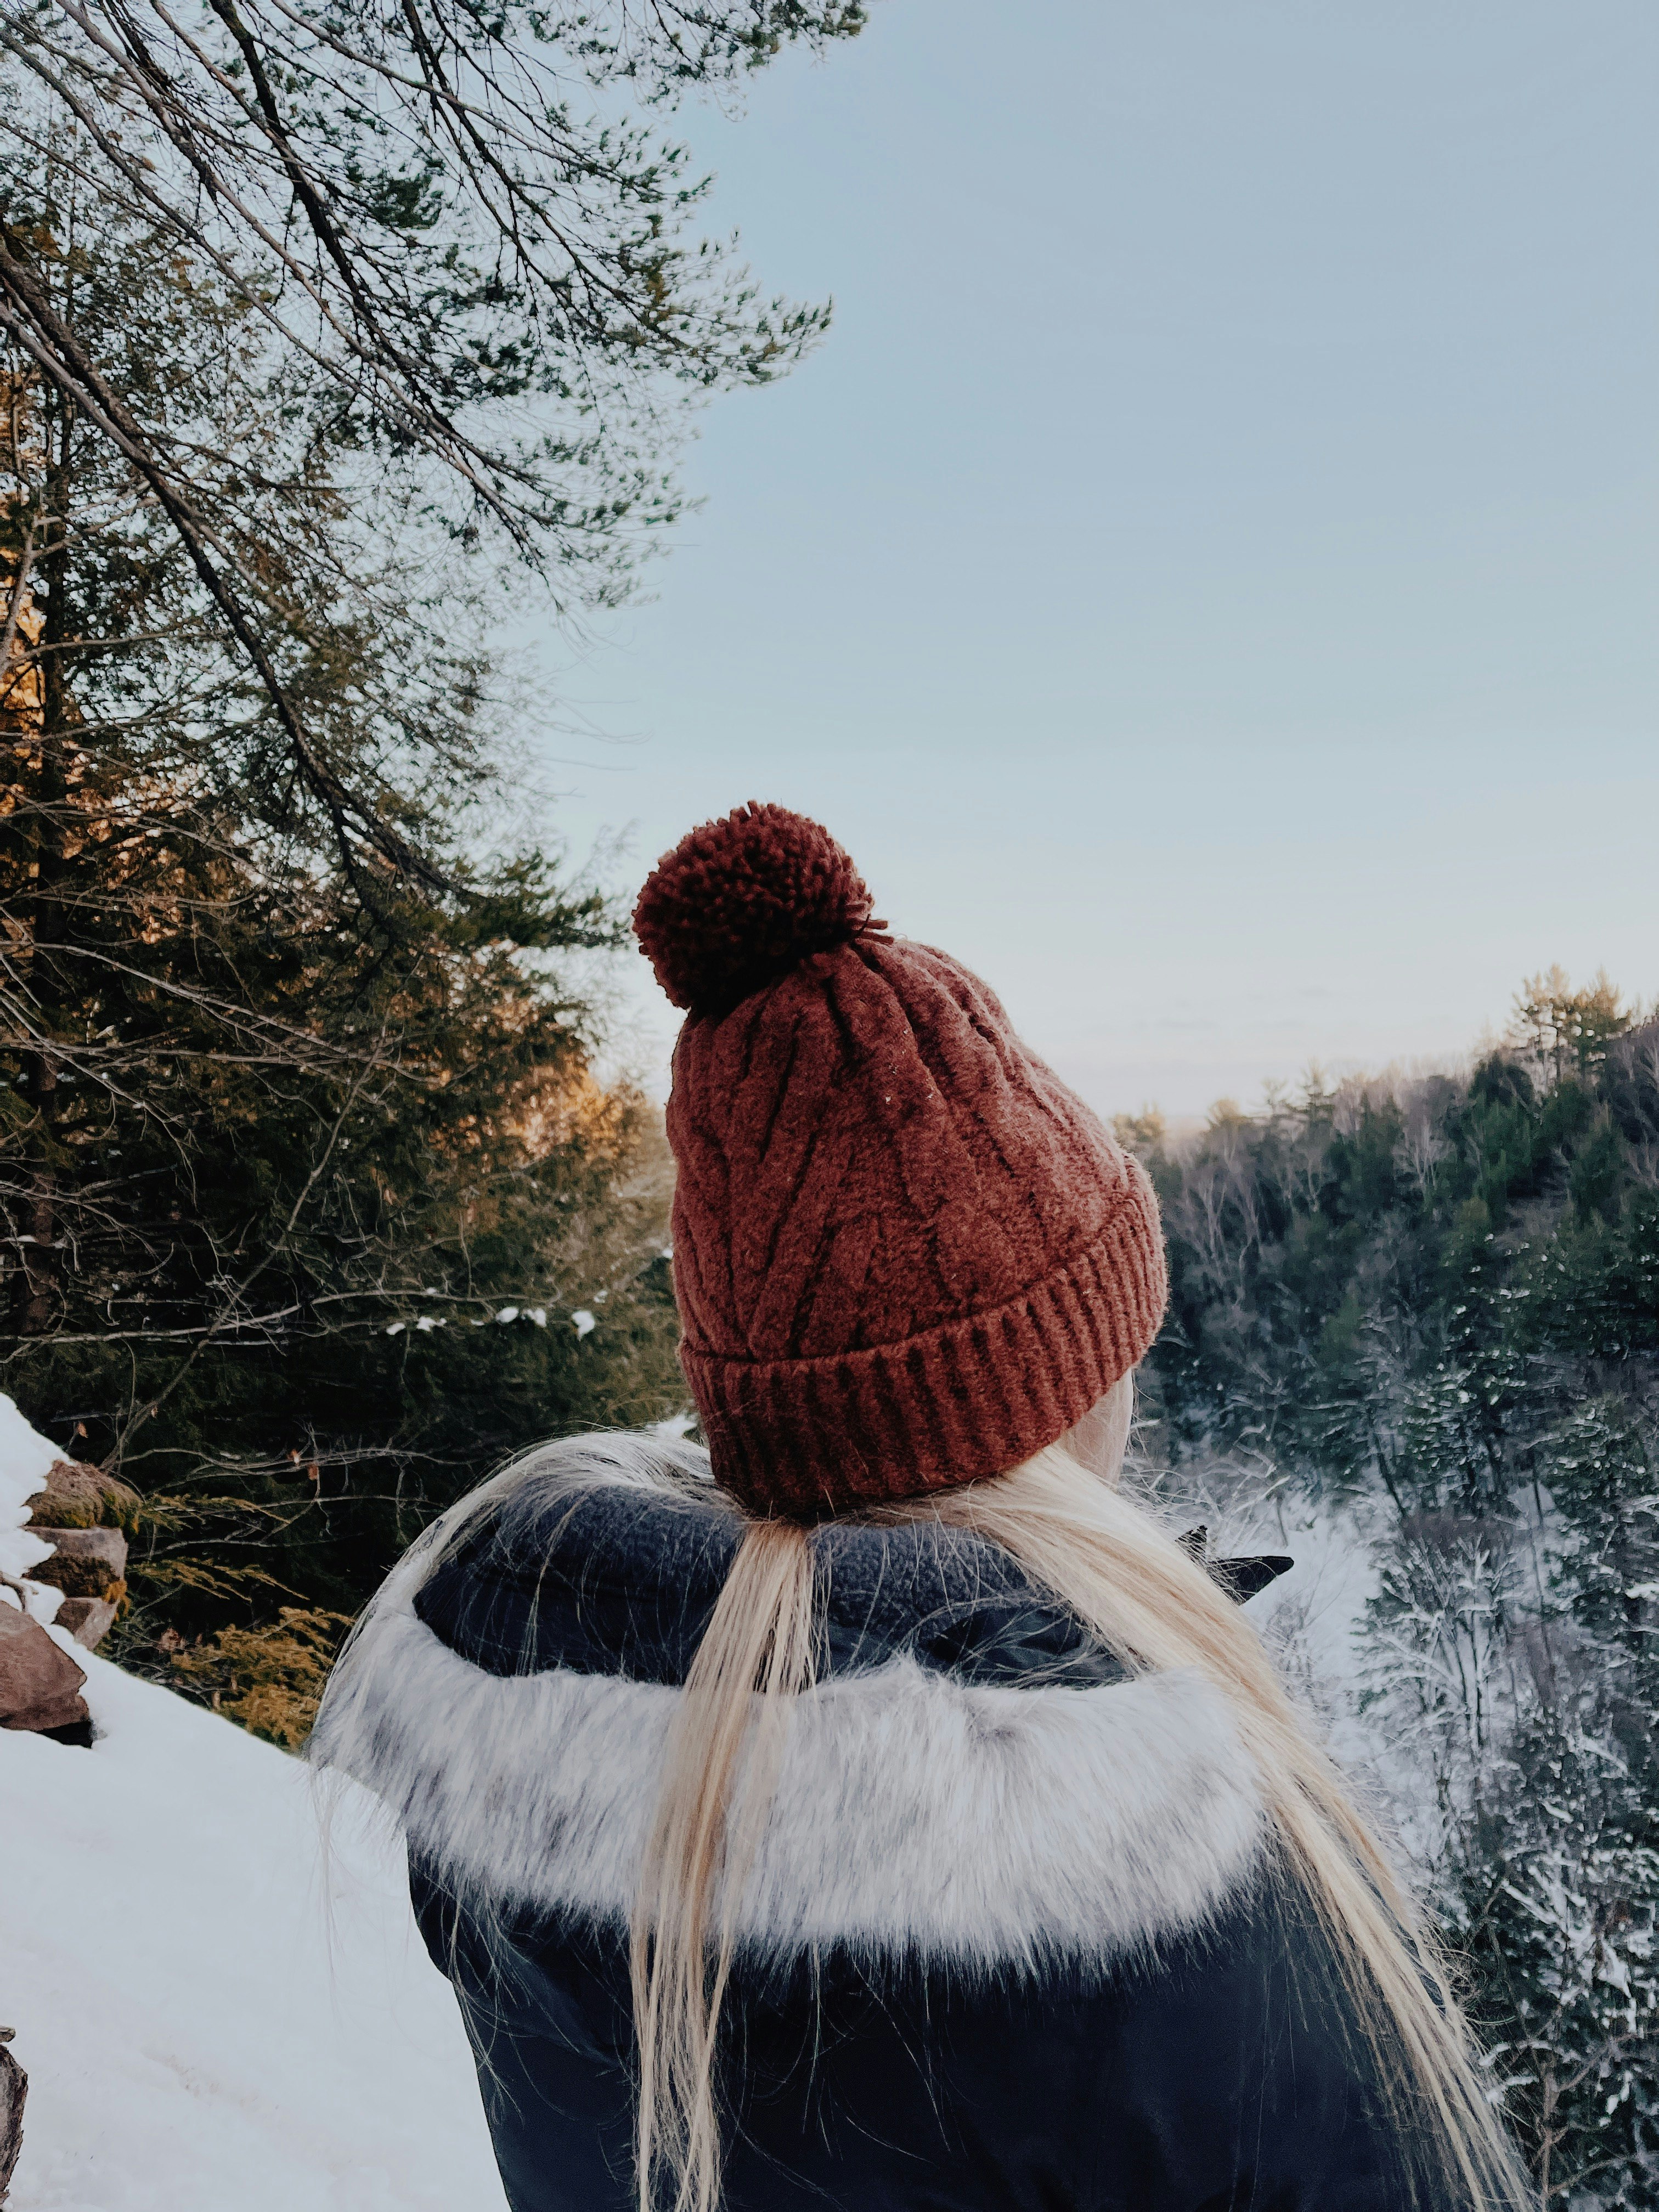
(905, 1255)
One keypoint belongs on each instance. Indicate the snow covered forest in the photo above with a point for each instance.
(1415, 1334)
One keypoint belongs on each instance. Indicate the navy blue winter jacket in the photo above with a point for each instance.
(1008, 1945)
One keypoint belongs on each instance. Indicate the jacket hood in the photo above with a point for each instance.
(972, 1780)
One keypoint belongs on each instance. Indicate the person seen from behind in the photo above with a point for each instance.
(870, 1808)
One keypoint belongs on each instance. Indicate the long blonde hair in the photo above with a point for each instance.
(1154, 1607)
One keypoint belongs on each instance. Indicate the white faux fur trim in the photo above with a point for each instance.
(915, 1815)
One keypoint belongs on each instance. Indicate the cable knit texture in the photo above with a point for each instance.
(905, 1255)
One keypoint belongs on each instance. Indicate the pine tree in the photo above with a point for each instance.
(301, 1158)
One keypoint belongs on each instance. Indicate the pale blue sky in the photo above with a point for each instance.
(1207, 577)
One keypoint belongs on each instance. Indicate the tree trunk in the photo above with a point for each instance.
(35, 1286)
(1547, 2140)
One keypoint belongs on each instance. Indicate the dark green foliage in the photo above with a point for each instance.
(1595, 1293)
(1433, 1307)
(297, 1102)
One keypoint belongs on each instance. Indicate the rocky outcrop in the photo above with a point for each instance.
(83, 1513)
(77, 1495)
(88, 1620)
(85, 1562)
(40, 1685)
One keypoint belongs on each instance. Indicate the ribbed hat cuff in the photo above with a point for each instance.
(974, 1397)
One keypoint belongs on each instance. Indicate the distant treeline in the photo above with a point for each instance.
(1431, 1306)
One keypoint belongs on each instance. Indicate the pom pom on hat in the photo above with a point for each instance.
(740, 902)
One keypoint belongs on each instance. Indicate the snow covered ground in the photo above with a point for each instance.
(207, 2024)
(24, 1458)
(214, 2017)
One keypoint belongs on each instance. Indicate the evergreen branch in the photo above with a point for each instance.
(136, 1420)
(59, 356)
